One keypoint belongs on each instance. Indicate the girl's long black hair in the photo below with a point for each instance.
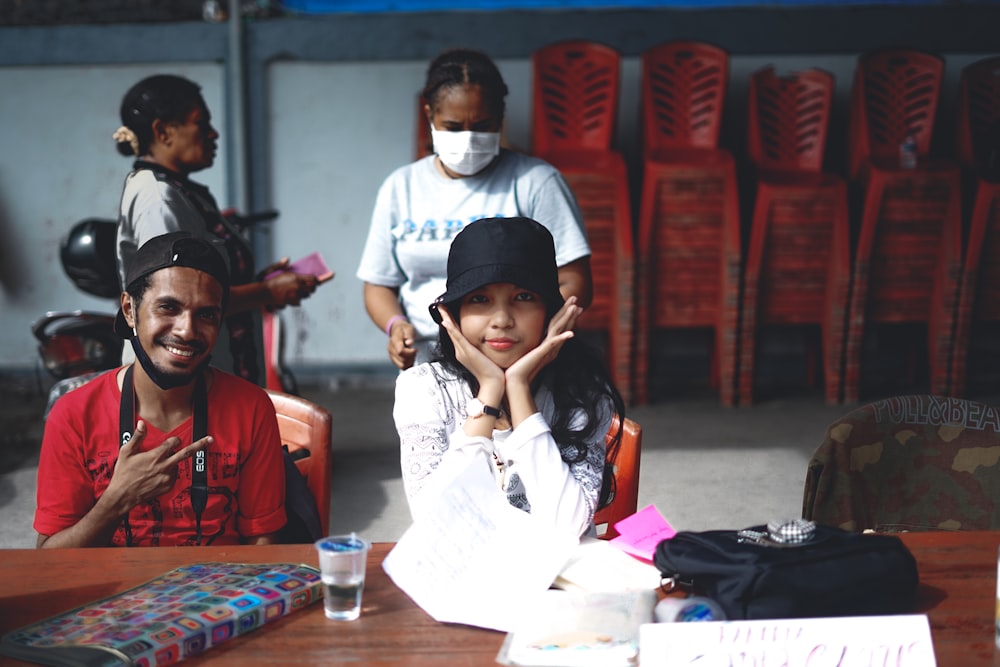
(580, 382)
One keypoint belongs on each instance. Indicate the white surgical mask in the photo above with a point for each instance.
(466, 153)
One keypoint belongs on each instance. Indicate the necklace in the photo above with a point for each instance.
(499, 471)
(499, 467)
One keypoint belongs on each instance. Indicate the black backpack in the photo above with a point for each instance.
(303, 525)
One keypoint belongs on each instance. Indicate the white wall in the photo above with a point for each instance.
(336, 130)
(58, 165)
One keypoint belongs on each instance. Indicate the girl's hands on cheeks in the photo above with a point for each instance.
(524, 371)
(514, 384)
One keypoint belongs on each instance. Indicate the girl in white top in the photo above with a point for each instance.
(511, 387)
(421, 206)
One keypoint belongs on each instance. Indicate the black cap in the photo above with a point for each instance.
(504, 250)
(173, 249)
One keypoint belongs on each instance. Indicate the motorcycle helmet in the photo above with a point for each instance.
(89, 259)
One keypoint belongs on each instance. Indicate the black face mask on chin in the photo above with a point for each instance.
(159, 378)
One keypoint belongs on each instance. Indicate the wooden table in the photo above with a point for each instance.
(957, 572)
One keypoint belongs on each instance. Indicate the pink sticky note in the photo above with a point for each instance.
(310, 265)
(640, 533)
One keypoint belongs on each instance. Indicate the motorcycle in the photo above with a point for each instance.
(77, 346)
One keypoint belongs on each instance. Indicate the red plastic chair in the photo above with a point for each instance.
(626, 470)
(894, 93)
(978, 150)
(798, 262)
(576, 86)
(303, 424)
(978, 145)
(908, 254)
(689, 230)
(683, 91)
(273, 365)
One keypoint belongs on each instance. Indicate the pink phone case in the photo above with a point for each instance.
(311, 264)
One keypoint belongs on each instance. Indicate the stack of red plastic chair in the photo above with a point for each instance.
(798, 262)
(908, 254)
(576, 86)
(689, 228)
(979, 156)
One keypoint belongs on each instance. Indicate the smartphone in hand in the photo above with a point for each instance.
(310, 265)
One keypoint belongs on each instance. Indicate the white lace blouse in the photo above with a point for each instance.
(430, 412)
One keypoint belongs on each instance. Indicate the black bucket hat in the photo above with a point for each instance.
(173, 249)
(503, 250)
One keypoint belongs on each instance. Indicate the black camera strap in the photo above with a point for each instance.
(199, 468)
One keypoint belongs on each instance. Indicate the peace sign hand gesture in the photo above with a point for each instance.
(140, 476)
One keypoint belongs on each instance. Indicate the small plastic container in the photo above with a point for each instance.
(687, 610)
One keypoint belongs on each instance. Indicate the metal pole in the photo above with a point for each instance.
(236, 176)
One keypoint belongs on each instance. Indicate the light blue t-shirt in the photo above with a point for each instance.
(419, 211)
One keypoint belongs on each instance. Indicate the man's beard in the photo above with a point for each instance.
(161, 377)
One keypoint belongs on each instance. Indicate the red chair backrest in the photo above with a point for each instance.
(306, 425)
(576, 87)
(979, 114)
(895, 93)
(683, 93)
(788, 119)
(626, 471)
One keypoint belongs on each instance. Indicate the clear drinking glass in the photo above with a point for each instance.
(342, 561)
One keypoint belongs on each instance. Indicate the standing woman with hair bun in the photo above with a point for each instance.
(423, 205)
(167, 127)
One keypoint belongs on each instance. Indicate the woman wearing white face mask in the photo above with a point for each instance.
(423, 205)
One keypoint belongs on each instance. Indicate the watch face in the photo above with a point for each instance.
(474, 408)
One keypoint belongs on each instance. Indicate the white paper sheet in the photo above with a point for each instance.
(854, 641)
(597, 565)
(474, 559)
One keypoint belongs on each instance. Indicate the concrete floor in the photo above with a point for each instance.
(703, 466)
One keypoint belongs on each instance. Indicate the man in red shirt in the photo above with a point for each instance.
(165, 451)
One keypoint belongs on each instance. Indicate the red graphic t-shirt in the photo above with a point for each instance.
(246, 483)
